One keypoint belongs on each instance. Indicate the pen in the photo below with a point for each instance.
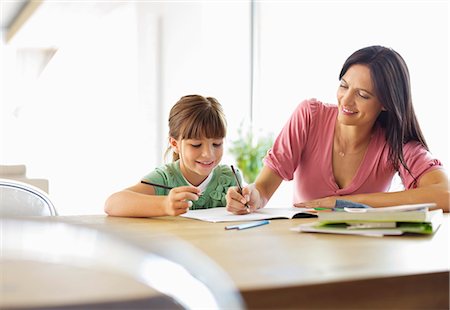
(157, 185)
(238, 184)
(247, 225)
(160, 185)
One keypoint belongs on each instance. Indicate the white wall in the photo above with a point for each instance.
(80, 118)
(206, 50)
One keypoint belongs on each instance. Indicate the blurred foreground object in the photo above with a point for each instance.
(55, 265)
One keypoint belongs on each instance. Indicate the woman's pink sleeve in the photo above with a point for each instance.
(419, 161)
(285, 154)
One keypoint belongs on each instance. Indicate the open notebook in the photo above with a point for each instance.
(222, 215)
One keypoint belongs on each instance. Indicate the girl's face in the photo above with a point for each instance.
(198, 157)
(358, 105)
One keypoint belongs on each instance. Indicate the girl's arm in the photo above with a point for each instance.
(140, 201)
(258, 193)
(433, 186)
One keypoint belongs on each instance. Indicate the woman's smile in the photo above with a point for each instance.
(347, 111)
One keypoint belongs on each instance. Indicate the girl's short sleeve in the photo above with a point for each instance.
(419, 161)
(159, 177)
(285, 154)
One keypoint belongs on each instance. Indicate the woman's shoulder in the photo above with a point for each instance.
(416, 151)
(413, 146)
(313, 106)
(313, 113)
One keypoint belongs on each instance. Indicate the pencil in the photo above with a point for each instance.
(157, 185)
(238, 184)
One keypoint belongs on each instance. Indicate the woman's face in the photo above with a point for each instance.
(198, 157)
(358, 105)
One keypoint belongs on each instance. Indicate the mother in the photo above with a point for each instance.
(352, 151)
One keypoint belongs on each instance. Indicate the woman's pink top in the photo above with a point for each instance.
(303, 152)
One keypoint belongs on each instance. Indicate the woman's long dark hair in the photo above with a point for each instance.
(391, 80)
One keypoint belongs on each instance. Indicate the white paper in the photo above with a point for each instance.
(222, 215)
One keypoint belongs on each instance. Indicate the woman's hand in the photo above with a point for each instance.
(180, 200)
(236, 203)
(327, 202)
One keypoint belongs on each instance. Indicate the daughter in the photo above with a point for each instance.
(197, 128)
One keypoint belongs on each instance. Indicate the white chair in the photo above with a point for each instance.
(21, 199)
(56, 265)
(19, 173)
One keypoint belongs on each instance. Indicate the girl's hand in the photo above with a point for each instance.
(236, 203)
(180, 200)
(327, 202)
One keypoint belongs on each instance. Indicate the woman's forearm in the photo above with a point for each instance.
(434, 194)
(267, 183)
(432, 187)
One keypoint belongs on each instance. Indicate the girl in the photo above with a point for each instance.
(197, 128)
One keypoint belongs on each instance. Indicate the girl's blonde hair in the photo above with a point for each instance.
(196, 117)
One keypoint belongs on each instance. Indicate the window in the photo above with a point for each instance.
(86, 102)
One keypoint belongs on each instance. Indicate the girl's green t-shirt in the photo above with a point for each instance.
(214, 194)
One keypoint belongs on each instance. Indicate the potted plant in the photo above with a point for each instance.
(249, 150)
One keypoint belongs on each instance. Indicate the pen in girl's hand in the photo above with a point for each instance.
(161, 185)
(239, 185)
(157, 185)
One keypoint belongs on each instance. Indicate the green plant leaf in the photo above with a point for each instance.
(249, 153)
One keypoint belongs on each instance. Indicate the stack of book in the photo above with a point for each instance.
(396, 220)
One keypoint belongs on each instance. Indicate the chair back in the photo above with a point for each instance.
(55, 265)
(21, 199)
(19, 173)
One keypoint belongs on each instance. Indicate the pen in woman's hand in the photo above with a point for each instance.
(239, 186)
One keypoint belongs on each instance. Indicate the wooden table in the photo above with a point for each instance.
(274, 267)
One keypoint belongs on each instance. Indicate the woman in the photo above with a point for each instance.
(352, 151)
